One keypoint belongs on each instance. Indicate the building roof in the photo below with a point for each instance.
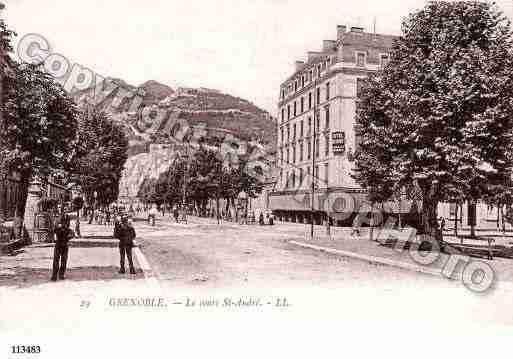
(364, 39)
(317, 59)
(368, 39)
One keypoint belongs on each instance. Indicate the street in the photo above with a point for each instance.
(205, 254)
(202, 269)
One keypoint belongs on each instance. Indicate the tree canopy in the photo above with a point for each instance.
(207, 177)
(439, 116)
(40, 123)
(100, 156)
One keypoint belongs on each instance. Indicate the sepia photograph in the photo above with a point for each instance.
(256, 178)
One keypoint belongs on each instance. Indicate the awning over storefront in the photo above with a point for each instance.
(335, 201)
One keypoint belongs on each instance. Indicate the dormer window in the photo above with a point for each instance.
(360, 59)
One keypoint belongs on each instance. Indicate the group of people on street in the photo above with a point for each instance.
(268, 218)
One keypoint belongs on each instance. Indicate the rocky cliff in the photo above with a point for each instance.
(159, 111)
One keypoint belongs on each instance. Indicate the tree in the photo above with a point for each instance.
(439, 116)
(40, 121)
(100, 157)
(5, 60)
(208, 178)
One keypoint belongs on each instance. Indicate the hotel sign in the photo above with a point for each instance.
(339, 142)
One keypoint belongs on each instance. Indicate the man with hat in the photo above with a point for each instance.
(126, 235)
(60, 254)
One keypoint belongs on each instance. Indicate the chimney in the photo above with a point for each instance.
(357, 30)
(299, 65)
(328, 45)
(341, 30)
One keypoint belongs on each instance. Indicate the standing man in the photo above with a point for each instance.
(63, 235)
(126, 235)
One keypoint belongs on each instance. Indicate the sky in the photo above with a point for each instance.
(242, 47)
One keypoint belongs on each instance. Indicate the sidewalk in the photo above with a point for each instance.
(342, 243)
(94, 257)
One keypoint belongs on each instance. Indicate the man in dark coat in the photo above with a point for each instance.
(60, 253)
(126, 235)
(176, 213)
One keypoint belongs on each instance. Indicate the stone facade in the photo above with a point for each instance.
(316, 116)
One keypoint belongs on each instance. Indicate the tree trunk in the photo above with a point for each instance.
(227, 207)
(472, 218)
(498, 215)
(429, 218)
(77, 224)
(456, 220)
(25, 177)
(217, 210)
(503, 222)
(371, 225)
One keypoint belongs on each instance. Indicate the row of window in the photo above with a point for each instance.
(361, 59)
(293, 181)
(306, 77)
(301, 127)
(298, 110)
(288, 154)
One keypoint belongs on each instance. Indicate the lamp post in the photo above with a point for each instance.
(314, 153)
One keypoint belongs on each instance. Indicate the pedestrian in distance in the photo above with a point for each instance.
(261, 219)
(126, 235)
(91, 215)
(176, 213)
(63, 235)
(356, 225)
(152, 216)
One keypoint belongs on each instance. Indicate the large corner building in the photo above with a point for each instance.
(316, 118)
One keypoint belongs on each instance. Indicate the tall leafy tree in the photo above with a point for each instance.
(438, 118)
(207, 177)
(100, 157)
(40, 123)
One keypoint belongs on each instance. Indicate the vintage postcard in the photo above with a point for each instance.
(256, 178)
